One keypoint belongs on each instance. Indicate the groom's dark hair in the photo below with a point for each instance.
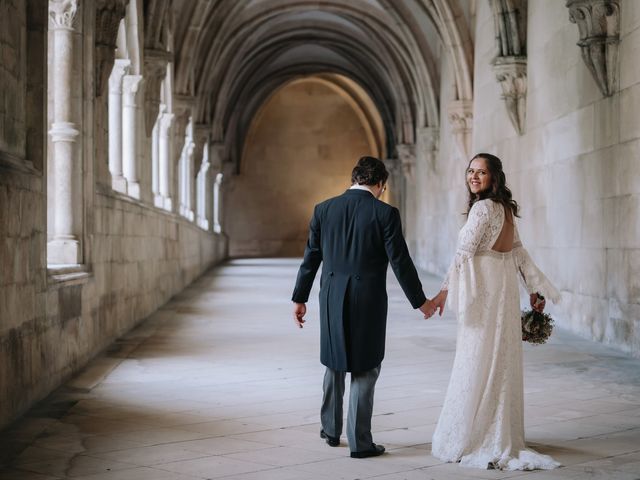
(369, 171)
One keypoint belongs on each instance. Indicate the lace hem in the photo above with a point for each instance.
(525, 460)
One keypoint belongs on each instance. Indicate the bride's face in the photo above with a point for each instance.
(478, 176)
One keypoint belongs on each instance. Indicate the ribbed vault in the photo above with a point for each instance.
(232, 55)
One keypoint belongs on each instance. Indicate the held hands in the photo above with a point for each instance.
(537, 302)
(428, 308)
(299, 311)
(440, 301)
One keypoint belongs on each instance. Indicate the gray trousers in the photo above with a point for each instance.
(360, 406)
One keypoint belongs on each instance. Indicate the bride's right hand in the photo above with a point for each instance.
(440, 300)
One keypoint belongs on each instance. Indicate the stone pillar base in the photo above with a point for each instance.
(203, 223)
(63, 252)
(119, 183)
(133, 190)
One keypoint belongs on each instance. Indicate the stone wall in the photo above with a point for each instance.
(575, 171)
(51, 325)
(13, 57)
(135, 256)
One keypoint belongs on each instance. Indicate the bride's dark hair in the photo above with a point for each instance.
(498, 192)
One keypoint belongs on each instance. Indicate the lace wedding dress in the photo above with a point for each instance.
(482, 421)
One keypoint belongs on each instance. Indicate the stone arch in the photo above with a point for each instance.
(349, 31)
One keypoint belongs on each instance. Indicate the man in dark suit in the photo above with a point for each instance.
(355, 236)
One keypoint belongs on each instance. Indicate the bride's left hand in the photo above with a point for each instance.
(538, 306)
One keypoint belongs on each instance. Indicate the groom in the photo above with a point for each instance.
(355, 236)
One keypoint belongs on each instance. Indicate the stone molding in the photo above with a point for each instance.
(109, 13)
(62, 14)
(510, 63)
(407, 157)
(598, 24)
(460, 114)
(511, 73)
(155, 71)
(510, 19)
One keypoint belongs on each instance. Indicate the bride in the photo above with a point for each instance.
(482, 421)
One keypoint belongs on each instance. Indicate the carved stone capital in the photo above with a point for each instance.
(62, 14)
(599, 29)
(130, 87)
(120, 69)
(461, 118)
(407, 157)
(109, 13)
(155, 71)
(511, 73)
(165, 124)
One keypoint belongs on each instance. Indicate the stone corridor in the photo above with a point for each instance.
(219, 383)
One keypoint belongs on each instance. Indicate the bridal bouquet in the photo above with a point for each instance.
(536, 326)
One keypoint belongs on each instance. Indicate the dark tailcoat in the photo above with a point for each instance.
(355, 236)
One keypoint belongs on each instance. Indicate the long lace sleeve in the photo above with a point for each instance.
(469, 239)
(533, 279)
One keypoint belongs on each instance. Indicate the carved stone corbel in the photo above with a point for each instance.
(599, 28)
(109, 13)
(407, 157)
(155, 71)
(511, 72)
(461, 118)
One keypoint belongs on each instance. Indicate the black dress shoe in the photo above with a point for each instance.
(374, 451)
(331, 441)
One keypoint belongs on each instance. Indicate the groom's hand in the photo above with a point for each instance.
(299, 310)
(428, 308)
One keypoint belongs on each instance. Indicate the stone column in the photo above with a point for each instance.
(131, 87)
(186, 174)
(216, 158)
(201, 170)
(64, 248)
(201, 173)
(164, 159)
(155, 158)
(120, 69)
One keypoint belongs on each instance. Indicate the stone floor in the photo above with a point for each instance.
(220, 384)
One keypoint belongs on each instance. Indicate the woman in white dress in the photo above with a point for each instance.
(482, 420)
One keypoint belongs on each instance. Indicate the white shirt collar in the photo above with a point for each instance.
(361, 187)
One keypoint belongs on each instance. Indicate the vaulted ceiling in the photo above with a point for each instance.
(231, 55)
